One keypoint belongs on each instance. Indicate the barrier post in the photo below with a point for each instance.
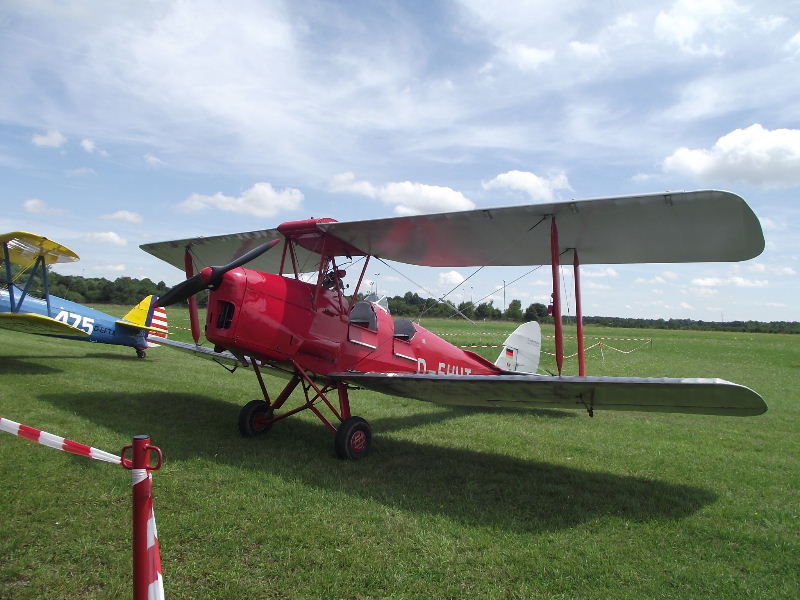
(146, 559)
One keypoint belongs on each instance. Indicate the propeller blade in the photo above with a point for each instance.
(248, 256)
(209, 277)
(182, 291)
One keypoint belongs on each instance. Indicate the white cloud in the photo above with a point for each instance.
(771, 23)
(585, 50)
(689, 20)
(105, 237)
(153, 161)
(35, 206)
(407, 197)
(599, 272)
(111, 268)
(768, 224)
(538, 188)
(411, 198)
(528, 57)
(770, 269)
(124, 215)
(769, 158)
(660, 279)
(703, 291)
(793, 45)
(346, 182)
(450, 279)
(51, 139)
(261, 200)
(736, 281)
(91, 147)
(657, 280)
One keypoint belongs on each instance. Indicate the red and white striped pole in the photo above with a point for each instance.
(148, 583)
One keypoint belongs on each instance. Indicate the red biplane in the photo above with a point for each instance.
(266, 316)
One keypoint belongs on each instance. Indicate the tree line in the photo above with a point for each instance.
(413, 305)
(129, 291)
(98, 290)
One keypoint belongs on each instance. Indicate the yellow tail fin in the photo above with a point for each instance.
(142, 313)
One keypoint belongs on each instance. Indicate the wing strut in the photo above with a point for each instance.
(554, 258)
(7, 261)
(576, 266)
(195, 324)
(38, 263)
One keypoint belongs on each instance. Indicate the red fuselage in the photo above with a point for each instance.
(282, 319)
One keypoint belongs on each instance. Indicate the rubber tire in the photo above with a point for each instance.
(141, 354)
(252, 416)
(353, 439)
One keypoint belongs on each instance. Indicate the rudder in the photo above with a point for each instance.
(521, 350)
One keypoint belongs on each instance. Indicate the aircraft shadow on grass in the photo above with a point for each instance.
(17, 366)
(476, 490)
(389, 424)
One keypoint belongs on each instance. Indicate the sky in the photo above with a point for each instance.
(132, 122)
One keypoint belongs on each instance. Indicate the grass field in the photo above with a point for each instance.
(451, 503)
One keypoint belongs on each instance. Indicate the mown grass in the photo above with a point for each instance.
(451, 503)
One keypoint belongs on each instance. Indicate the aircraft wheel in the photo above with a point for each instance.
(141, 354)
(254, 417)
(353, 439)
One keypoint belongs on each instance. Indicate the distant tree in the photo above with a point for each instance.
(467, 309)
(514, 311)
(536, 312)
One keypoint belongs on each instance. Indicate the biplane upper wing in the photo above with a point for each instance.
(701, 226)
(24, 248)
(697, 226)
(670, 395)
(221, 249)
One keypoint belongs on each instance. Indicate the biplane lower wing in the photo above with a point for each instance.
(225, 358)
(39, 325)
(670, 395)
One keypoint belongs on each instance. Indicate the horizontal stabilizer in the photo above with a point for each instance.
(38, 325)
(133, 325)
(669, 395)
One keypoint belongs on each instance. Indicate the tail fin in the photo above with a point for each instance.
(141, 314)
(146, 315)
(521, 349)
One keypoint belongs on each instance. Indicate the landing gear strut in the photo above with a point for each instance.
(353, 435)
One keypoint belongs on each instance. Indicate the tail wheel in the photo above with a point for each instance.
(353, 439)
(140, 353)
(254, 418)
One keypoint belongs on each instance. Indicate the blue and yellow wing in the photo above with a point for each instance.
(39, 325)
